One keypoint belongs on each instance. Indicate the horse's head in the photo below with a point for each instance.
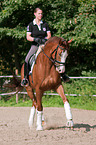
(60, 54)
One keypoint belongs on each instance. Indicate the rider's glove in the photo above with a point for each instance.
(43, 41)
(37, 40)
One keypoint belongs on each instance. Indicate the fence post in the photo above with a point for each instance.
(16, 72)
(24, 98)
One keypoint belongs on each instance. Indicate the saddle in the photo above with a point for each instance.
(33, 58)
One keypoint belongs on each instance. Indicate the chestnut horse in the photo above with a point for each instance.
(46, 76)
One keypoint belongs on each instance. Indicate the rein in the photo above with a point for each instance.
(54, 61)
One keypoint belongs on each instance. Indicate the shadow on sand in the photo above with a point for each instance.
(86, 127)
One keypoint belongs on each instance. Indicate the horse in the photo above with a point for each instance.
(46, 76)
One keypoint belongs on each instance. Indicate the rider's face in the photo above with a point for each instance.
(38, 14)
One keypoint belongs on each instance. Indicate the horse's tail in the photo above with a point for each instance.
(15, 82)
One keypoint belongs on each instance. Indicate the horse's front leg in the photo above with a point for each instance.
(30, 93)
(39, 94)
(68, 113)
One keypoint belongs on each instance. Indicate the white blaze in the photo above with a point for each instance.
(61, 68)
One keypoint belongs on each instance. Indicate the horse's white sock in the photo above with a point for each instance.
(39, 120)
(31, 118)
(68, 111)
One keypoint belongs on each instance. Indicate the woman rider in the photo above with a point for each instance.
(38, 33)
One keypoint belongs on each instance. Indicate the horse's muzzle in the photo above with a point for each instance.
(60, 68)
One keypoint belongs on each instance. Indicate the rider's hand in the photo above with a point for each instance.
(43, 41)
(37, 40)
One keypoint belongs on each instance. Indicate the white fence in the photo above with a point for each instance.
(13, 93)
(69, 77)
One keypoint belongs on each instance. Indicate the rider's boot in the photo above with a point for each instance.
(64, 77)
(25, 81)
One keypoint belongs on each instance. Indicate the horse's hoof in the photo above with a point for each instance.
(70, 124)
(39, 128)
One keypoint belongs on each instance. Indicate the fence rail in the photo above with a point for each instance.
(10, 76)
(13, 93)
(54, 94)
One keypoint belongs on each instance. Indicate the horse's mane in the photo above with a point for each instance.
(53, 41)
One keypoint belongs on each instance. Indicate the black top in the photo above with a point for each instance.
(38, 31)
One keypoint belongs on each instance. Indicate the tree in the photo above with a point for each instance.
(67, 18)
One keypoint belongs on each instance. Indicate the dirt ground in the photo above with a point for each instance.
(14, 128)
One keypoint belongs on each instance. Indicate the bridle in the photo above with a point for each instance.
(54, 60)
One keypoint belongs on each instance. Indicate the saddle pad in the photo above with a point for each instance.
(34, 57)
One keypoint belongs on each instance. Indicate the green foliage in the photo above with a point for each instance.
(68, 19)
(16, 33)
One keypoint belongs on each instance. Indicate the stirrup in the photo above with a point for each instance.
(24, 82)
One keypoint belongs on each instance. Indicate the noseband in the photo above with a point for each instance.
(54, 60)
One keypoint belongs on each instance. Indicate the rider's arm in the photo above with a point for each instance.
(48, 31)
(48, 34)
(29, 37)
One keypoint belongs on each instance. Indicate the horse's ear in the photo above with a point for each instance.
(70, 41)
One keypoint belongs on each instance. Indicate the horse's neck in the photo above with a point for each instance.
(46, 55)
(49, 48)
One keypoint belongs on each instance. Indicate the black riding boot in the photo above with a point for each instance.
(25, 81)
(64, 77)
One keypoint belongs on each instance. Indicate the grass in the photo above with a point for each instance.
(85, 87)
(80, 102)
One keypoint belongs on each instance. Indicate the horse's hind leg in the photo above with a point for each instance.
(32, 112)
(68, 113)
